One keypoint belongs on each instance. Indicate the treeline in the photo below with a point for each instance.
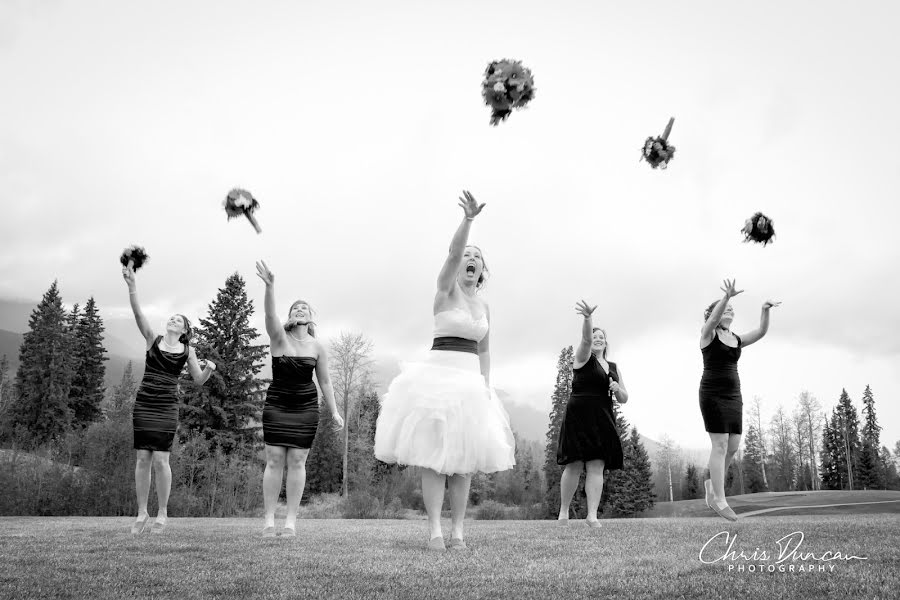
(796, 449)
(68, 442)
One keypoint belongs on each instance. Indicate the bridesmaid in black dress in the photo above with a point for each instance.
(155, 415)
(721, 403)
(588, 437)
(291, 413)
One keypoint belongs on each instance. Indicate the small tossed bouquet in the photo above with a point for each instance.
(759, 229)
(507, 85)
(241, 202)
(658, 152)
(134, 257)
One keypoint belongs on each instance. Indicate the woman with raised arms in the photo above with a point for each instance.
(291, 412)
(721, 403)
(588, 438)
(440, 414)
(155, 416)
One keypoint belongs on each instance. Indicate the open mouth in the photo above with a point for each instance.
(470, 268)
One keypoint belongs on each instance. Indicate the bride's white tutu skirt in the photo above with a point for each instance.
(440, 414)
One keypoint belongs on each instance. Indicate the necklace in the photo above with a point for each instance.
(168, 345)
(291, 333)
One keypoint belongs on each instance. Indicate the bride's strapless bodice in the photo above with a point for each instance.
(457, 322)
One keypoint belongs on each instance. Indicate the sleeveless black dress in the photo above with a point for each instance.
(291, 414)
(721, 403)
(588, 429)
(155, 415)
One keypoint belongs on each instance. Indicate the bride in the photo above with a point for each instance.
(440, 414)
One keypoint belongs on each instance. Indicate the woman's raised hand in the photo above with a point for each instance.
(583, 309)
(769, 304)
(729, 289)
(128, 276)
(469, 205)
(264, 273)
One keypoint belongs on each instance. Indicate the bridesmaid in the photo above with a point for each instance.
(721, 403)
(155, 415)
(291, 413)
(588, 437)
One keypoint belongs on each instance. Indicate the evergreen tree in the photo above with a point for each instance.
(752, 462)
(889, 468)
(552, 471)
(121, 402)
(692, 488)
(845, 428)
(88, 353)
(871, 470)
(830, 457)
(323, 466)
(6, 400)
(629, 491)
(781, 477)
(45, 372)
(227, 408)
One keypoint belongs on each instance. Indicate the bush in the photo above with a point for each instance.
(362, 505)
(322, 506)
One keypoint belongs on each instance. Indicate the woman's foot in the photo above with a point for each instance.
(437, 544)
(288, 532)
(457, 544)
(268, 532)
(723, 510)
(561, 522)
(139, 524)
(593, 523)
(159, 524)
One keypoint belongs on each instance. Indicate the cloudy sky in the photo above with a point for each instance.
(357, 125)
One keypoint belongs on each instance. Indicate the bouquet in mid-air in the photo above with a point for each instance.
(134, 257)
(759, 228)
(507, 85)
(658, 151)
(241, 202)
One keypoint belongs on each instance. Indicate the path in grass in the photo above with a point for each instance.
(888, 501)
(626, 558)
(811, 507)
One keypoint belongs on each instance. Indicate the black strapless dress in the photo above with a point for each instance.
(721, 403)
(588, 429)
(155, 414)
(291, 413)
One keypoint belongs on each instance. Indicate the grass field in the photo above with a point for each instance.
(627, 558)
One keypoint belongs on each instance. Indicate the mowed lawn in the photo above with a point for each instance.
(627, 558)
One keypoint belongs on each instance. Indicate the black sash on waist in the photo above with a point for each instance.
(455, 344)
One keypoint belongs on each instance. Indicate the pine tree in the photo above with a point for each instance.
(692, 487)
(227, 409)
(45, 372)
(121, 402)
(871, 472)
(845, 428)
(323, 466)
(889, 468)
(6, 397)
(559, 400)
(830, 457)
(87, 389)
(629, 491)
(752, 462)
